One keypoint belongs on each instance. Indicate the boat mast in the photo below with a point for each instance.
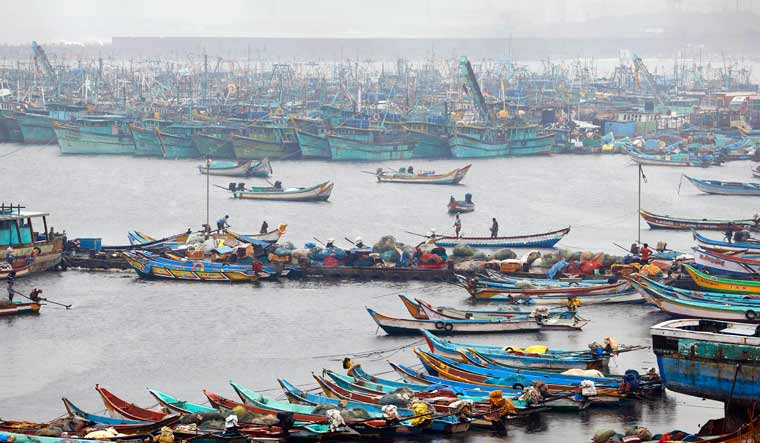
(208, 186)
(641, 177)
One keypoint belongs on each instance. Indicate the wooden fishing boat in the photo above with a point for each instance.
(720, 284)
(656, 221)
(146, 139)
(666, 159)
(244, 168)
(313, 144)
(35, 249)
(618, 292)
(453, 177)
(124, 426)
(320, 192)
(19, 308)
(24, 438)
(727, 264)
(369, 144)
(448, 424)
(416, 310)
(700, 357)
(723, 246)
(171, 403)
(725, 188)
(473, 141)
(543, 240)
(756, 171)
(148, 265)
(671, 303)
(430, 138)
(551, 359)
(127, 409)
(262, 141)
(461, 206)
(102, 134)
(401, 326)
(551, 321)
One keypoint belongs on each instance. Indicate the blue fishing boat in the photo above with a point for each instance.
(543, 240)
(725, 188)
(719, 245)
(470, 141)
(36, 124)
(75, 411)
(149, 265)
(369, 144)
(177, 140)
(10, 131)
(147, 140)
(670, 159)
(216, 141)
(175, 405)
(312, 137)
(718, 360)
(430, 138)
(549, 359)
(273, 141)
(102, 134)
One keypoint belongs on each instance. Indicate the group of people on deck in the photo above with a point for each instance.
(458, 227)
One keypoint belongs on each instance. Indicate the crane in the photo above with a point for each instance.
(640, 70)
(472, 89)
(41, 60)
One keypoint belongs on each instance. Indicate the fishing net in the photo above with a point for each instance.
(463, 251)
(482, 256)
(505, 254)
(386, 243)
(603, 436)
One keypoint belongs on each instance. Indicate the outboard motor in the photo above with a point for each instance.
(278, 184)
(241, 186)
(232, 187)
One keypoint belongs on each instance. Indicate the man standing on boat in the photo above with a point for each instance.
(264, 228)
(494, 228)
(222, 224)
(457, 226)
(729, 234)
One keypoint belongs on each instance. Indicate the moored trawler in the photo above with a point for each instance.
(36, 125)
(102, 134)
(470, 141)
(33, 244)
(266, 141)
(718, 360)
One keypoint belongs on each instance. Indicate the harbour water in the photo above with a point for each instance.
(127, 334)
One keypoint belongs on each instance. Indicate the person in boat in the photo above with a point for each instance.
(410, 170)
(278, 185)
(729, 234)
(457, 226)
(573, 303)
(231, 426)
(494, 228)
(222, 224)
(359, 243)
(9, 255)
(264, 228)
(645, 253)
(189, 231)
(35, 295)
(330, 243)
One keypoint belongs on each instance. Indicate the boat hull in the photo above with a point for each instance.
(10, 131)
(312, 145)
(429, 145)
(346, 149)
(147, 142)
(319, 192)
(19, 309)
(544, 240)
(400, 326)
(48, 257)
(74, 141)
(147, 268)
(450, 178)
(247, 148)
(176, 146)
(36, 129)
(726, 264)
(656, 221)
(725, 188)
(214, 147)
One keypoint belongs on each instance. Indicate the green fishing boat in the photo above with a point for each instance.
(216, 142)
(369, 144)
(104, 134)
(177, 140)
(147, 141)
(266, 141)
(431, 139)
(311, 137)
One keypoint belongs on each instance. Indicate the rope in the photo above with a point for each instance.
(425, 287)
(370, 353)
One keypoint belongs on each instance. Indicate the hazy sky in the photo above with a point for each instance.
(99, 20)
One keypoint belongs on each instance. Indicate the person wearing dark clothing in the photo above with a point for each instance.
(729, 234)
(410, 170)
(494, 228)
(222, 224)
(264, 228)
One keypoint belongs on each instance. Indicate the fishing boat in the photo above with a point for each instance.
(177, 140)
(726, 264)
(36, 124)
(725, 188)
(216, 141)
(102, 134)
(171, 403)
(320, 192)
(430, 138)
(723, 246)
(149, 265)
(718, 360)
(19, 308)
(244, 168)
(425, 177)
(262, 141)
(618, 292)
(312, 138)
(548, 321)
(656, 221)
(543, 240)
(122, 425)
(401, 326)
(360, 141)
(683, 159)
(474, 141)
(756, 171)
(126, 409)
(519, 357)
(721, 284)
(461, 206)
(146, 138)
(35, 248)
(10, 131)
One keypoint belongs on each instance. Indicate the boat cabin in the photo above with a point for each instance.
(19, 227)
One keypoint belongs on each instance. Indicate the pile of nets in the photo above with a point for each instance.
(463, 251)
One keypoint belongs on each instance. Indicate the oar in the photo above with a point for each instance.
(368, 172)
(41, 299)
(418, 235)
(222, 187)
(346, 239)
(319, 241)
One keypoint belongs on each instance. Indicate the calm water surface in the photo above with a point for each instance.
(128, 334)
